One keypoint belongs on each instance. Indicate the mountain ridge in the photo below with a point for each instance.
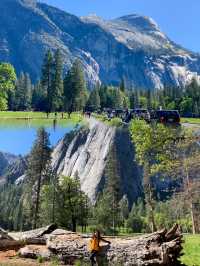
(130, 47)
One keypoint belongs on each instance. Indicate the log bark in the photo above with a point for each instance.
(37, 236)
(7, 242)
(160, 248)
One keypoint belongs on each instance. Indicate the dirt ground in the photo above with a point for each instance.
(9, 258)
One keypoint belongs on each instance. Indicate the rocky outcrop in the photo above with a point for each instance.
(87, 153)
(11, 167)
(132, 47)
(6, 160)
(160, 248)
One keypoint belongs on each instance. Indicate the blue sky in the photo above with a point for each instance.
(179, 19)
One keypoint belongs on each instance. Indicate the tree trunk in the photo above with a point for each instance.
(37, 203)
(73, 224)
(159, 248)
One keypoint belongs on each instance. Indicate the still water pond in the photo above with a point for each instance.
(17, 135)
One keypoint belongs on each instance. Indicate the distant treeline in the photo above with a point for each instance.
(59, 91)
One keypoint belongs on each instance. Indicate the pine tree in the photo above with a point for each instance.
(57, 91)
(23, 93)
(37, 173)
(47, 79)
(39, 98)
(94, 100)
(103, 93)
(75, 92)
(122, 86)
(113, 185)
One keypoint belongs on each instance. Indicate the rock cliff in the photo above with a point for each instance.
(132, 47)
(87, 153)
(6, 161)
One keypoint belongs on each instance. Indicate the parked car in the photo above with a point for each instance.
(167, 116)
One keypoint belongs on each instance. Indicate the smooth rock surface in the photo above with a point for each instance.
(86, 153)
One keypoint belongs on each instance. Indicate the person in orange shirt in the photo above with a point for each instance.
(94, 245)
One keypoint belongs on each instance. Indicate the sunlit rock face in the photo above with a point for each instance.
(6, 161)
(130, 47)
(87, 153)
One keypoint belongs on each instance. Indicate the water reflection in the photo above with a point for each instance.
(17, 135)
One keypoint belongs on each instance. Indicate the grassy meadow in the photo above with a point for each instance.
(191, 250)
(36, 119)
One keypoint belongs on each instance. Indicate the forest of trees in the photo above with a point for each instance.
(163, 152)
(59, 91)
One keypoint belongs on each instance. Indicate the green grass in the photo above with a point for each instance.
(190, 120)
(115, 122)
(191, 249)
(36, 119)
(35, 115)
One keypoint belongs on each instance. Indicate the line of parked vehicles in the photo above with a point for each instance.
(161, 116)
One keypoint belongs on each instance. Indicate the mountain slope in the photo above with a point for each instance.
(132, 47)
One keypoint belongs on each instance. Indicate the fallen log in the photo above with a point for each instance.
(7, 242)
(160, 248)
(35, 237)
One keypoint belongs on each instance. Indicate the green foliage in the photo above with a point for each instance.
(20, 98)
(38, 171)
(191, 250)
(136, 222)
(40, 259)
(107, 211)
(81, 263)
(63, 202)
(11, 216)
(75, 92)
(7, 81)
(94, 100)
(155, 146)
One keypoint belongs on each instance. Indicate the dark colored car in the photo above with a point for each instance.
(167, 116)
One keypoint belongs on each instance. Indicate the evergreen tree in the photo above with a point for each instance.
(75, 92)
(122, 86)
(38, 170)
(113, 186)
(94, 100)
(47, 80)
(57, 83)
(39, 102)
(70, 201)
(124, 209)
(23, 93)
(103, 94)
